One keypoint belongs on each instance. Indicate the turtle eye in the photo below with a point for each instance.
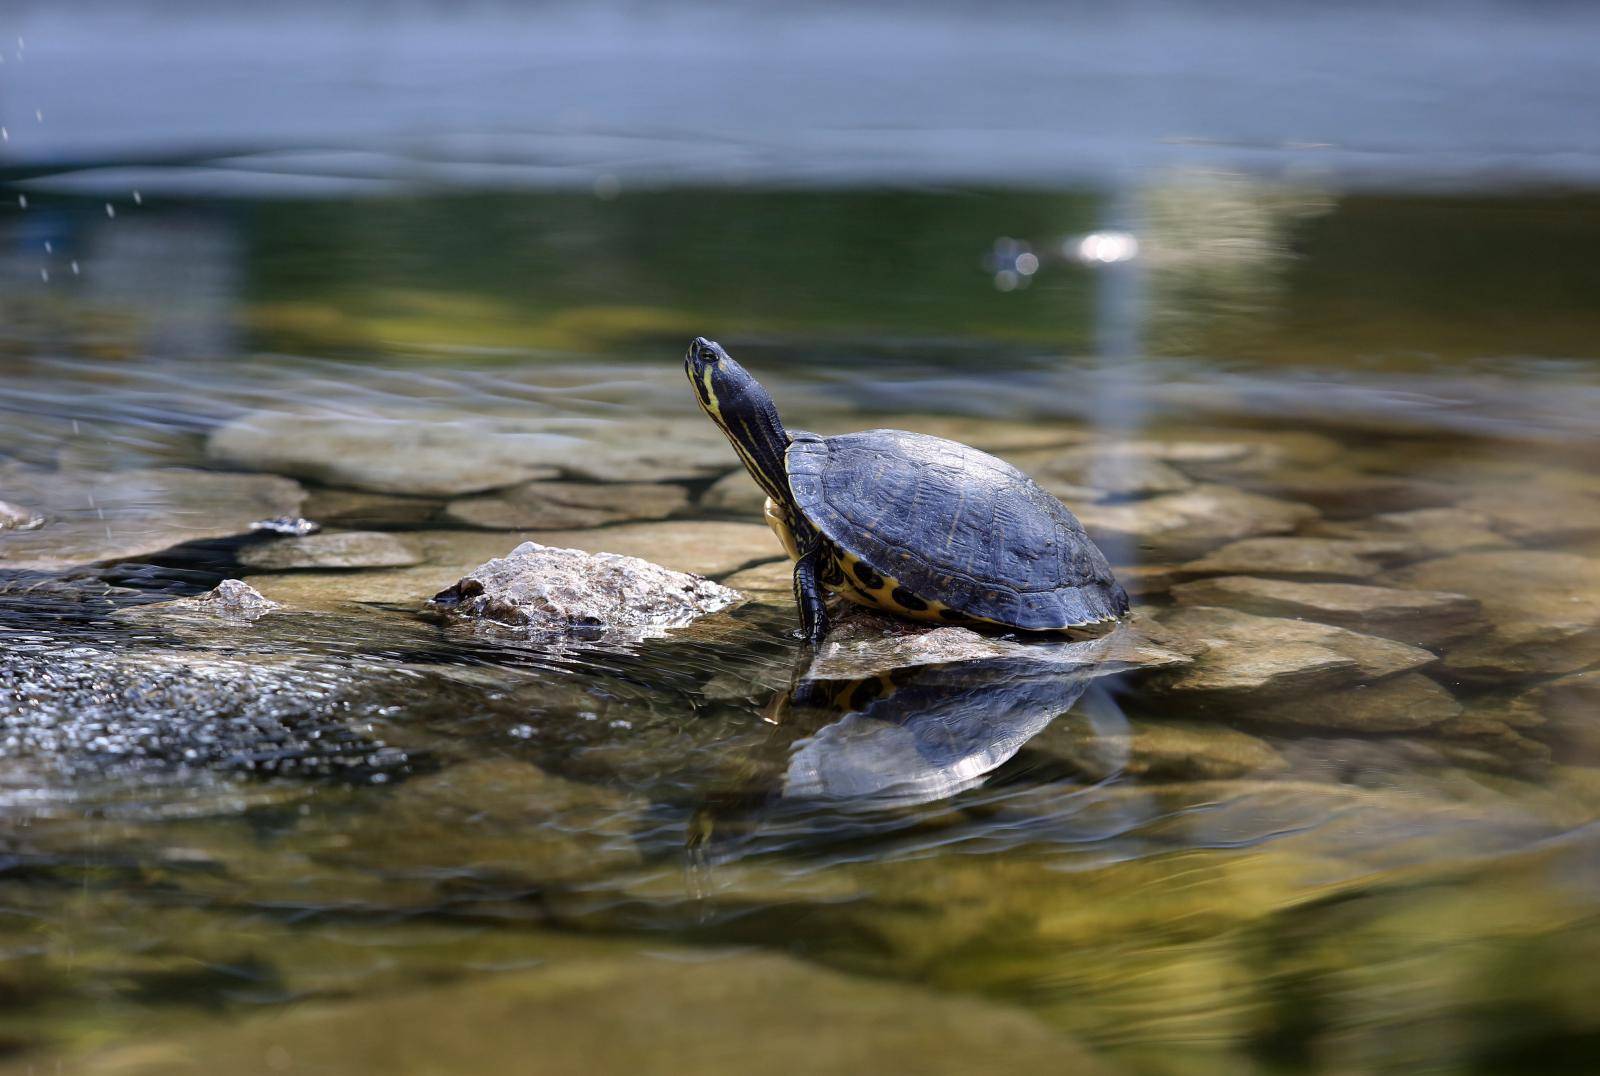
(705, 350)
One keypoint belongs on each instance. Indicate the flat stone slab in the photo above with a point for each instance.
(104, 517)
(332, 549)
(1567, 711)
(1189, 523)
(1110, 470)
(569, 505)
(1543, 610)
(1342, 492)
(1422, 617)
(550, 590)
(1244, 659)
(415, 451)
(1299, 558)
(863, 644)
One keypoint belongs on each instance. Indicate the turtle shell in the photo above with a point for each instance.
(957, 528)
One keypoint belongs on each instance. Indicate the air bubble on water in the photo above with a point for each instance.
(138, 199)
(111, 210)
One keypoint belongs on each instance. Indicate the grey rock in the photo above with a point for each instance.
(231, 599)
(1421, 617)
(1300, 558)
(569, 505)
(109, 516)
(363, 511)
(1543, 609)
(334, 549)
(1189, 523)
(1241, 659)
(414, 451)
(545, 589)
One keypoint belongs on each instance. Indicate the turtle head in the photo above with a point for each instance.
(743, 410)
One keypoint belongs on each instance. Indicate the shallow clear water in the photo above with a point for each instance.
(207, 826)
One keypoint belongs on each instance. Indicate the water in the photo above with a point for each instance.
(1356, 349)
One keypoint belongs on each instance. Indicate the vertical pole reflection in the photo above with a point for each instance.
(1120, 308)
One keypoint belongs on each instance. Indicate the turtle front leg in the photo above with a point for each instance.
(808, 595)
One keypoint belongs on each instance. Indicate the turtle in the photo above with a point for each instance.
(917, 526)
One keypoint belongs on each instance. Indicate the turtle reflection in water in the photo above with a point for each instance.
(908, 736)
(913, 525)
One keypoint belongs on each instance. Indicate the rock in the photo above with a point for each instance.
(1435, 532)
(569, 505)
(997, 436)
(1568, 711)
(661, 1012)
(1160, 750)
(1543, 609)
(735, 493)
(490, 818)
(1421, 617)
(14, 518)
(1147, 580)
(1399, 704)
(335, 549)
(862, 644)
(109, 516)
(1104, 470)
(546, 589)
(697, 547)
(1540, 511)
(361, 511)
(1243, 659)
(414, 451)
(1341, 492)
(1299, 558)
(1227, 455)
(231, 599)
(772, 582)
(1189, 523)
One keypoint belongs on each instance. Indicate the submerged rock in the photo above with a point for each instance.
(1299, 558)
(655, 1011)
(1243, 659)
(109, 516)
(1543, 609)
(1189, 523)
(1342, 492)
(1161, 750)
(335, 549)
(569, 505)
(360, 511)
(1567, 711)
(1398, 704)
(546, 589)
(491, 818)
(1103, 470)
(1422, 617)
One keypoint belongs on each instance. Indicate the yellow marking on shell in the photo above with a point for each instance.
(780, 526)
